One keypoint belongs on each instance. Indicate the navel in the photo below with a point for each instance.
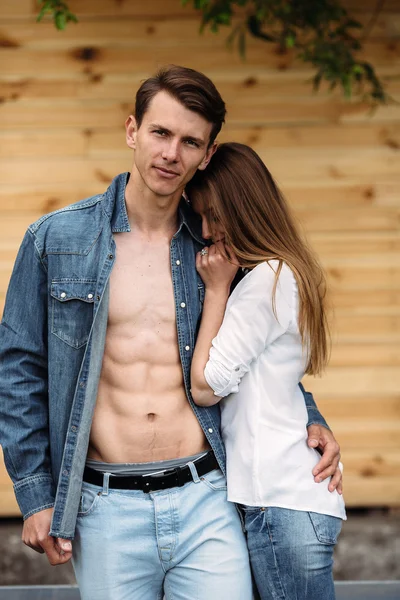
(151, 417)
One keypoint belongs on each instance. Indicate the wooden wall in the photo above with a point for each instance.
(65, 96)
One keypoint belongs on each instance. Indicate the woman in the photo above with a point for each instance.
(253, 348)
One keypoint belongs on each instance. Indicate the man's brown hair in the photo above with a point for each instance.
(191, 88)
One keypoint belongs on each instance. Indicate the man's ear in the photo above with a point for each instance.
(131, 131)
(211, 150)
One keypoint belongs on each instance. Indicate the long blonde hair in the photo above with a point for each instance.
(241, 195)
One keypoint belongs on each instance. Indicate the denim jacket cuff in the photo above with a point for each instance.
(34, 493)
(315, 417)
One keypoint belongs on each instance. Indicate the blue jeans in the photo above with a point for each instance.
(183, 542)
(291, 552)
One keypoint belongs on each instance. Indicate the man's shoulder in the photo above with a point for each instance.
(68, 215)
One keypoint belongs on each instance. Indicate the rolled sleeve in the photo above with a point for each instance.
(249, 325)
(220, 378)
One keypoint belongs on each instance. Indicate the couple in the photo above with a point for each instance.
(110, 415)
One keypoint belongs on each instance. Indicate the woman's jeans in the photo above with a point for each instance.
(185, 542)
(291, 552)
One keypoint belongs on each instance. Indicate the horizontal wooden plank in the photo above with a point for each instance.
(369, 5)
(20, 196)
(10, 8)
(386, 24)
(358, 302)
(95, 8)
(349, 139)
(200, 54)
(381, 326)
(368, 219)
(371, 408)
(310, 165)
(332, 163)
(354, 381)
(375, 435)
(133, 31)
(44, 113)
(370, 492)
(44, 198)
(240, 90)
(363, 278)
(341, 245)
(168, 8)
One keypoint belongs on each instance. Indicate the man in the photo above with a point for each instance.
(96, 343)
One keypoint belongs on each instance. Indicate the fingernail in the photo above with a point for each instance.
(66, 546)
(313, 443)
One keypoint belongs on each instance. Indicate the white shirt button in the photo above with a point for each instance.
(187, 347)
(63, 294)
(210, 430)
(90, 296)
(183, 305)
(178, 262)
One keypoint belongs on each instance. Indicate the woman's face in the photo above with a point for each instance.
(216, 232)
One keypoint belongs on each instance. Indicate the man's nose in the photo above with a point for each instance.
(171, 151)
(205, 229)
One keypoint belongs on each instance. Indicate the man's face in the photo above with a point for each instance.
(170, 145)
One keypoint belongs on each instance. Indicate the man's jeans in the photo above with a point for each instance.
(186, 543)
(291, 552)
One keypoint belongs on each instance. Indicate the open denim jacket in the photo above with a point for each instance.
(52, 341)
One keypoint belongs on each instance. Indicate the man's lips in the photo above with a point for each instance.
(166, 172)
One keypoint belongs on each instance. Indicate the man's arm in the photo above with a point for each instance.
(321, 437)
(314, 416)
(24, 432)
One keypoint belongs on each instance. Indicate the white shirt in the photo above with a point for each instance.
(264, 418)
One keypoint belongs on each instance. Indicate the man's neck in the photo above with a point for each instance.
(149, 212)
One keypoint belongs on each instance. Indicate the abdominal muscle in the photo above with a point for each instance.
(142, 413)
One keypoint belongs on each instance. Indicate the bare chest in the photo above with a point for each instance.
(141, 289)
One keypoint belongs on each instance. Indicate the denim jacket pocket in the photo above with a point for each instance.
(326, 527)
(72, 310)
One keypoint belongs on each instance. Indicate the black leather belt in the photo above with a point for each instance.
(176, 477)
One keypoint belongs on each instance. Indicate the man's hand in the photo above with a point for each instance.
(35, 534)
(322, 439)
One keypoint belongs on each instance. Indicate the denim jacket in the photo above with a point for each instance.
(52, 341)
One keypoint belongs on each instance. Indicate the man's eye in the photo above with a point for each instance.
(192, 143)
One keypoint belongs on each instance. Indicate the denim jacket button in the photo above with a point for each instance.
(62, 295)
(65, 472)
(187, 348)
(90, 296)
(178, 262)
(210, 430)
(183, 305)
(74, 428)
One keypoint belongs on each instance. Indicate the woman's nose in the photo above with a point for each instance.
(205, 230)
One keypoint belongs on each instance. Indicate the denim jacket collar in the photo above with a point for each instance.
(115, 207)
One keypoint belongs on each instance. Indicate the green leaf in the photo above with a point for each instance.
(60, 19)
(290, 40)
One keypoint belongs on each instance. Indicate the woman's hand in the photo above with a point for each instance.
(215, 269)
